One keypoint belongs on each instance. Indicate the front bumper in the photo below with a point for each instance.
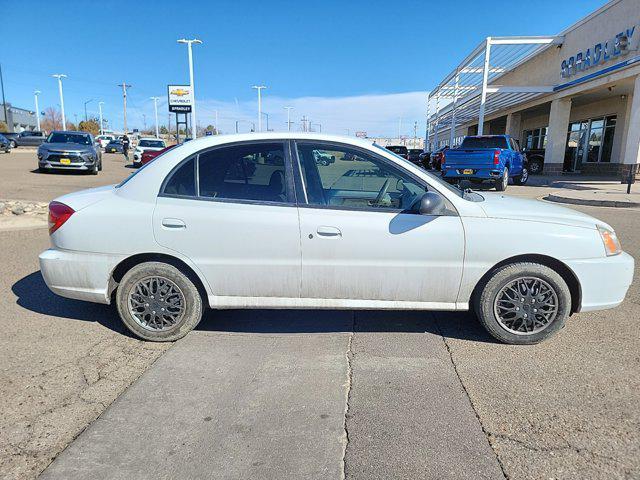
(78, 275)
(604, 282)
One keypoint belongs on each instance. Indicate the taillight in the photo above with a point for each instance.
(443, 157)
(59, 213)
(496, 157)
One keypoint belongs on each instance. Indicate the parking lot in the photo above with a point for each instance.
(304, 394)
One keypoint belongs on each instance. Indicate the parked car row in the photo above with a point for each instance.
(24, 139)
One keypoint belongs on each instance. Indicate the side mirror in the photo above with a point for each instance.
(432, 204)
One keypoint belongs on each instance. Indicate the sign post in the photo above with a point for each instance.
(180, 103)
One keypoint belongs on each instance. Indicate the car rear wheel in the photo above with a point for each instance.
(157, 302)
(523, 303)
(523, 177)
(502, 182)
(14, 144)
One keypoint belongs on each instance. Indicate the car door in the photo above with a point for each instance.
(361, 237)
(231, 210)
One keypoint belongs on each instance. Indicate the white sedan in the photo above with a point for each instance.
(147, 144)
(253, 221)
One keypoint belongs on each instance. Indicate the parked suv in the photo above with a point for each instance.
(25, 139)
(70, 151)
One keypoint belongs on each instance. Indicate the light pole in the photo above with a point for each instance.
(193, 93)
(124, 103)
(266, 115)
(288, 109)
(60, 76)
(155, 109)
(35, 97)
(85, 108)
(259, 88)
(100, 110)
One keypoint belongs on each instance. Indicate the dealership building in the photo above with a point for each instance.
(572, 99)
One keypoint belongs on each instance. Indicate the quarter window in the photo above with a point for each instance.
(343, 177)
(183, 180)
(253, 172)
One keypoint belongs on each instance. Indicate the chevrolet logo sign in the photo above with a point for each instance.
(180, 92)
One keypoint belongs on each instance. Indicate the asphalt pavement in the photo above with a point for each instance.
(306, 394)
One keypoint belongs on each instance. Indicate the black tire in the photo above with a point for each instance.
(522, 178)
(100, 166)
(42, 170)
(502, 182)
(536, 165)
(193, 305)
(485, 300)
(13, 144)
(94, 169)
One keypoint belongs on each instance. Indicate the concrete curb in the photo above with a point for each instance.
(553, 197)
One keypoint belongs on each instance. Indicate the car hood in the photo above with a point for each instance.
(66, 147)
(496, 205)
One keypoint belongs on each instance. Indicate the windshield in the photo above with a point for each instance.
(77, 138)
(467, 195)
(484, 142)
(151, 143)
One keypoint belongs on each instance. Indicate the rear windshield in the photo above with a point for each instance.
(151, 143)
(398, 149)
(69, 138)
(484, 142)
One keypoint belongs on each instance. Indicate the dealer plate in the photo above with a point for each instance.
(65, 161)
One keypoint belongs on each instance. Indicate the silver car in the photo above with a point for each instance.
(70, 151)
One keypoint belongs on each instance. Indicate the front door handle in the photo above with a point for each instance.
(331, 232)
(173, 223)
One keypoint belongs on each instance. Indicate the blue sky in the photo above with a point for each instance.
(357, 65)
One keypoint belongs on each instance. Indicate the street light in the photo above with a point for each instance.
(288, 109)
(100, 110)
(85, 108)
(155, 108)
(266, 115)
(60, 76)
(193, 93)
(259, 88)
(35, 96)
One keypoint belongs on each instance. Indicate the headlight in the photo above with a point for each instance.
(610, 241)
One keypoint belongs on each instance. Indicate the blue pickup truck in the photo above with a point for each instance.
(486, 158)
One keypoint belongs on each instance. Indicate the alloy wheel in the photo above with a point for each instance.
(156, 303)
(526, 305)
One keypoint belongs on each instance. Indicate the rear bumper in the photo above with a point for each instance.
(479, 173)
(604, 282)
(78, 275)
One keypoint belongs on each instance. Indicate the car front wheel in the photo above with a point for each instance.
(157, 302)
(14, 144)
(523, 303)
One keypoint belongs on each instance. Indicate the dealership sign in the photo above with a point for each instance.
(600, 53)
(180, 99)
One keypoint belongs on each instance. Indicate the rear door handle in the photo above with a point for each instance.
(173, 223)
(331, 232)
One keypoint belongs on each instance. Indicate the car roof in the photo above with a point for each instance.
(151, 138)
(71, 131)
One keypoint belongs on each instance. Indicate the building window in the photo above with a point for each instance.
(589, 141)
(535, 139)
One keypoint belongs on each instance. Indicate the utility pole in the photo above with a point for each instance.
(304, 123)
(155, 109)
(399, 128)
(266, 115)
(216, 125)
(4, 102)
(124, 103)
(60, 76)
(288, 109)
(415, 134)
(259, 88)
(101, 122)
(144, 121)
(193, 92)
(35, 97)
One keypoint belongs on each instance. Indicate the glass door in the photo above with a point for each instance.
(576, 146)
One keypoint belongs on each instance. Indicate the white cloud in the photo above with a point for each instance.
(378, 114)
